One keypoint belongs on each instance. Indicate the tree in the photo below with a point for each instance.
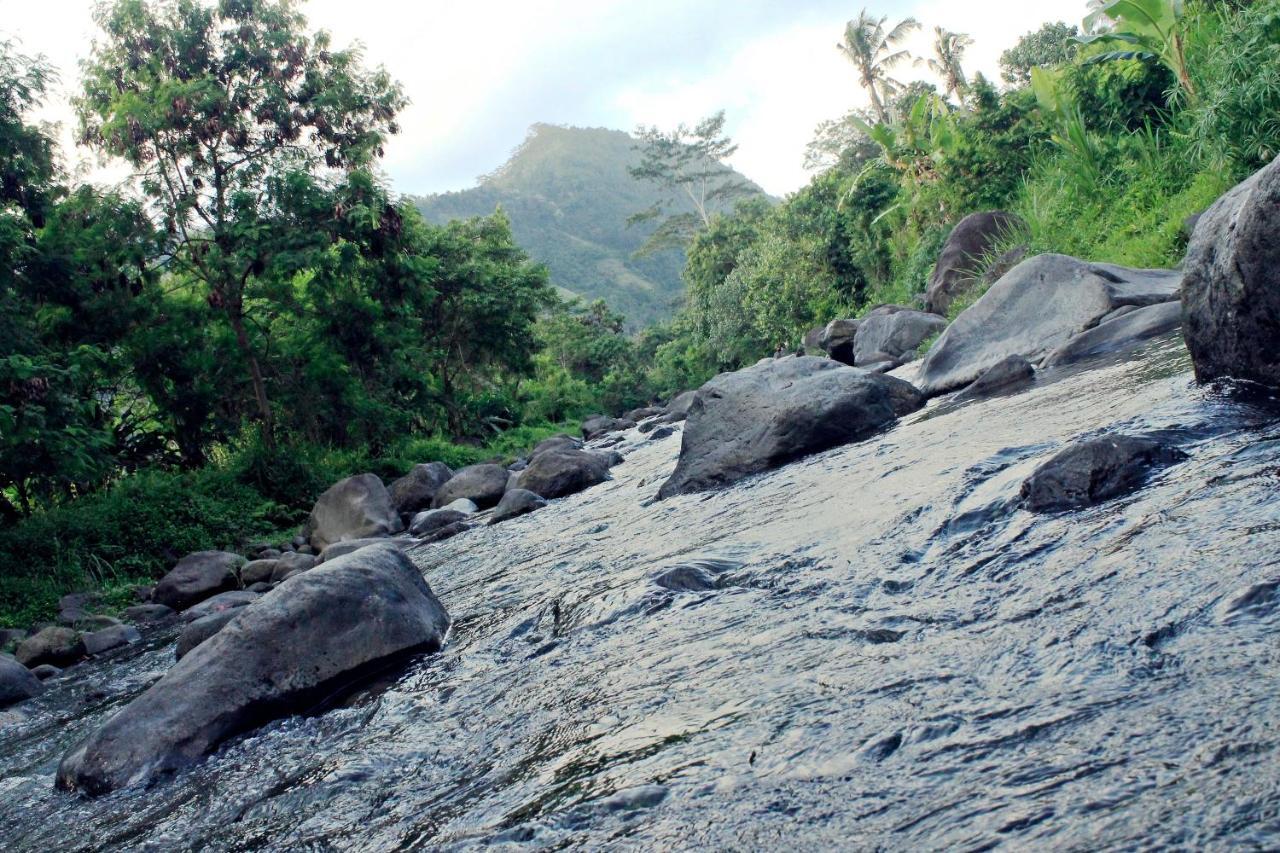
(688, 165)
(873, 50)
(948, 54)
(208, 103)
(1048, 47)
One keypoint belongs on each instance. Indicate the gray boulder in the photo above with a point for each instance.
(17, 683)
(257, 571)
(837, 340)
(113, 637)
(220, 603)
(1123, 332)
(766, 416)
(678, 408)
(960, 263)
(196, 577)
(894, 336)
(558, 473)
(1231, 300)
(426, 523)
(812, 341)
(350, 546)
(318, 631)
(290, 564)
(1039, 306)
(483, 485)
(76, 606)
(45, 671)
(358, 507)
(644, 413)
(447, 532)
(1003, 375)
(416, 490)
(515, 503)
(145, 614)
(555, 442)
(463, 506)
(202, 629)
(598, 425)
(53, 645)
(1094, 470)
(11, 637)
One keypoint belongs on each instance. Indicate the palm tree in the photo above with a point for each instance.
(948, 50)
(873, 51)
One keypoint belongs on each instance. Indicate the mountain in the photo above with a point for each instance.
(568, 195)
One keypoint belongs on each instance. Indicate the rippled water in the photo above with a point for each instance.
(866, 649)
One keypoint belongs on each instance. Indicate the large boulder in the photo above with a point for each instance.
(112, 637)
(970, 244)
(894, 336)
(17, 683)
(349, 546)
(515, 503)
(598, 425)
(202, 629)
(484, 485)
(678, 408)
(1039, 306)
(557, 473)
(766, 416)
(358, 507)
(316, 632)
(1004, 375)
(1125, 331)
(837, 340)
(1231, 299)
(196, 577)
(555, 442)
(426, 523)
(1094, 470)
(55, 645)
(221, 603)
(416, 490)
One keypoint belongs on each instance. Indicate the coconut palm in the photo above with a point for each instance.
(873, 50)
(948, 53)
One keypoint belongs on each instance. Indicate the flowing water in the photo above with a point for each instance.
(869, 648)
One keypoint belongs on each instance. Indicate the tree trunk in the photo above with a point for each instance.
(255, 373)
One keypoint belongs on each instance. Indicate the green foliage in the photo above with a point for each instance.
(1146, 29)
(874, 51)
(1052, 45)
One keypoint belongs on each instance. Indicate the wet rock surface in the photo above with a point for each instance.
(17, 683)
(1130, 328)
(515, 503)
(1094, 470)
(557, 473)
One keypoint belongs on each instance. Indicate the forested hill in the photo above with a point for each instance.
(568, 195)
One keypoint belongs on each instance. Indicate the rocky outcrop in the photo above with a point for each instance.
(515, 503)
(1231, 300)
(1094, 470)
(358, 507)
(838, 338)
(1123, 332)
(17, 683)
(962, 257)
(1039, 306)
(893, 336)
(765, 416)
(55, 645)
(483, 485)
(314, 633)
(678, 408)
(415, 491)
(598, 425)
(558, 473)
(196, 577)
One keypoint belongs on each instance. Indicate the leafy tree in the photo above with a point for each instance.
(840, 143)
(946, 63)
(1152, 29)
(688, 165)
(874, 51)
(1052, 45)
(209, 104)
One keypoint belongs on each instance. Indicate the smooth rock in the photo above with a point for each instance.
(202, 629)
(558, 473)
(1003, 375)
(197, 577)
(1123, 332)
(1094, 470)
(463, 506)
(220, 604)
(662, 432)
(678, 408)
(644, 413)
(598, 425)
(263, 586)
(54, 645)
(269, 553)
(483, 485)
(515, 503)
(555, 442)
(894, 336)
(258, 571)
(106, 639)
(1231, 299)
(1039, 306)
(17, 683)
(358, 507)
(319, 631)
(290, 564)
(812, 341)
(416, 490)
(447, 532)
(967, 247)
(45, 671)
(143, 614)
(340, 549)
(97, 622)
(837, 340)
(426, 523)
(766, 416)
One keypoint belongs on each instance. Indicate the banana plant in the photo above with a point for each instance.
(916, 146)
(1069, 131)
(1151, 29)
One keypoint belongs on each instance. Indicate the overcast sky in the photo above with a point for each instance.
(480, 72)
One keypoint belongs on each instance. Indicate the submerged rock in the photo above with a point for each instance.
(558, 473)
(196, 577)
(1122, 332)
(358, 507)
(1001, 376)
(1039, 306)
(483, 485)
(17, 683)
(515, 503)
(45, 671)
(766, 416)
(962, 256)
(113, 637)
(316, 632)
(54, 645)
(416, 490)
(1231, 301)
(1094, 470)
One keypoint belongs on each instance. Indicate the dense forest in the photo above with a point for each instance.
(189, 364)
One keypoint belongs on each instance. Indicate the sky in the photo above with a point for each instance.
(479, 73)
